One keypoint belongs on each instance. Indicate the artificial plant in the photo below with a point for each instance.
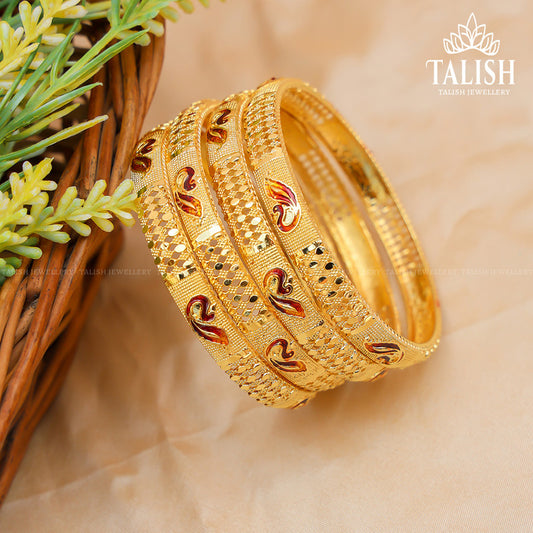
(41, 81)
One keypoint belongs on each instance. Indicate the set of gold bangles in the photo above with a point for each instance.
(276, 233)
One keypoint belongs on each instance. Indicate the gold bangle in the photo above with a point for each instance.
(286, 301)
(262, 253)
(218, 258)
(303, 242)
(189, 286)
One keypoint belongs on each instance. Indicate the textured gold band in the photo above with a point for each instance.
(190, 287)
(255, 237)
(235, 287)
(305, 244)
(252, 227)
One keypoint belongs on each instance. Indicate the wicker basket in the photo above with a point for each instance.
(44, 305)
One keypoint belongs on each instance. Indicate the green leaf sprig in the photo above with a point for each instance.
(40, 82)
(25, 214)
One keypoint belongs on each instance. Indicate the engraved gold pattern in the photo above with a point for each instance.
(263, 291)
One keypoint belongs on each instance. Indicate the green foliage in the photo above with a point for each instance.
(40, 82)
(26, 215)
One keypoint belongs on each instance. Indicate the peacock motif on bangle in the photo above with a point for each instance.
(140, 161)
(287, 209)
(277, 283)
(389, 352)
(279, 348)
(200, 313)
(216, 132)
(185, 182)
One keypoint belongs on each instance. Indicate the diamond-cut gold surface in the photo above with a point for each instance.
(253, 267)
(336, 293)
(184, 277)
(251, 228)
(235, 287)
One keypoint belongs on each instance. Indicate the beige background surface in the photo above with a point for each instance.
(148, 435)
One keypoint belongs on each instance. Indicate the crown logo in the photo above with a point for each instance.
(471, 37)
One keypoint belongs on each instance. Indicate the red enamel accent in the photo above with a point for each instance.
(283, 288)
(200, 305)
(300, 404)
(288, 208)
(186, 202)
(141, 163)
(287, 364)
(379, 375)
(390, 353)
(215, 133)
